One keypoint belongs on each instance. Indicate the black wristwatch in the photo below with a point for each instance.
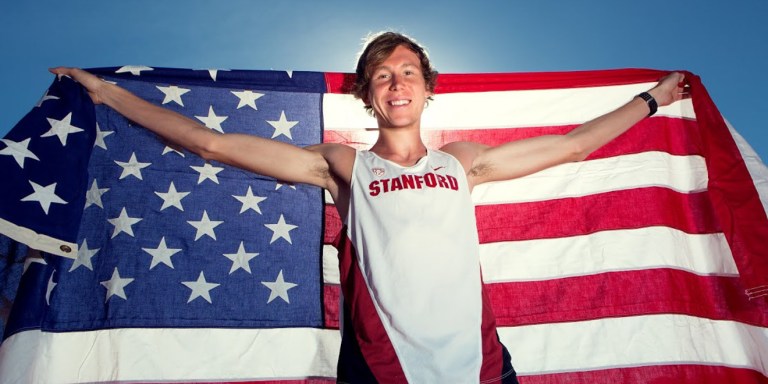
(652, 105)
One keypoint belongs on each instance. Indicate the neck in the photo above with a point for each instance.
(402, 146)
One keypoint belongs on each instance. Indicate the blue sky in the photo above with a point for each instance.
(725, 44)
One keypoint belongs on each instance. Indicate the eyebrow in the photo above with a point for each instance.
(381, 66)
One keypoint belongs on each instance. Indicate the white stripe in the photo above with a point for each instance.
(232, 354)
(503, 109)
(331, 273)
(607, 251)
(168, 354)
(647, 169)
(635, 341)
(38, 241)
(757, 170)
(618, 250)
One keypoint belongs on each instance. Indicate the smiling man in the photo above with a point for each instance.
(414, 306)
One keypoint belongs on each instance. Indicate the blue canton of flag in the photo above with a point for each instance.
(166, 239)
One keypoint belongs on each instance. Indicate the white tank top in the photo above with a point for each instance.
(414, 232)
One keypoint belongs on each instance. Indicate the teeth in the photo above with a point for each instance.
(399, 102)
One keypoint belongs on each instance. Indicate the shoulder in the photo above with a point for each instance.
(332, 150)
(465, 152)
(340, 158)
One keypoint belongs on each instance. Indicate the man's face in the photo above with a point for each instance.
(397, 92)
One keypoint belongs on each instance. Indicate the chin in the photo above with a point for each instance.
(397, 123)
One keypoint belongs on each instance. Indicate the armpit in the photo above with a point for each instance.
(480, 170)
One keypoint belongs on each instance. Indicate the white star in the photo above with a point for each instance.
(290, 74)
(49, 289)
(173, 93)
(279, 185)
(247, 98)
(282, 126)
(172, 198)
(45, 98)
(116, 285)
(161, 254)
(250, 201)
(240, 259)
(207, 171)
(205, 226)
(281, 230)
(200, 288)
(132, 168)
(44, 195)
(123, 223)
(19, 151)
(279, 288)
(100, 135)
(214, 72)
(169, 149)
(33, 258)
(212, 121)
(134, 69)
(93, 196)
(84, 256)
(61, 128)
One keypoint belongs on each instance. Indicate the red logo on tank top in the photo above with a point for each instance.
(378, 171)
(428, 180)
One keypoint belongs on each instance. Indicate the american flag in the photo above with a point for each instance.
(644, 263)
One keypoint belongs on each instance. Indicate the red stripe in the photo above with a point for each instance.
(625, 293)
(305, 381)
(733, 192)
(671, 135)
(332, 224)
(627, 209)
(331, 305)
(485, 82)
(657, 374)
(618, 294)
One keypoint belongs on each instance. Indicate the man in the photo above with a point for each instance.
(414, 307)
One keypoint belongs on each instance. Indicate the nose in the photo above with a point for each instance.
(394, 83)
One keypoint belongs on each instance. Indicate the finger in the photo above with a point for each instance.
(64, 71)
(685, 91)
(681, 80)
(56, 70)
(61, 72)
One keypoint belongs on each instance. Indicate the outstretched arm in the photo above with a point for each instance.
(268, 157)
(519, 158)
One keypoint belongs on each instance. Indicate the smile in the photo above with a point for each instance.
(399, 102)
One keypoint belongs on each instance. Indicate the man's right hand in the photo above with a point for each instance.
(91, 83)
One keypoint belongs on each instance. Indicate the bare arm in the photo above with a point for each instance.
(267, 157)
(519, 158)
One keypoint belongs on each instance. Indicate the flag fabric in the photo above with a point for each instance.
(643, 263)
